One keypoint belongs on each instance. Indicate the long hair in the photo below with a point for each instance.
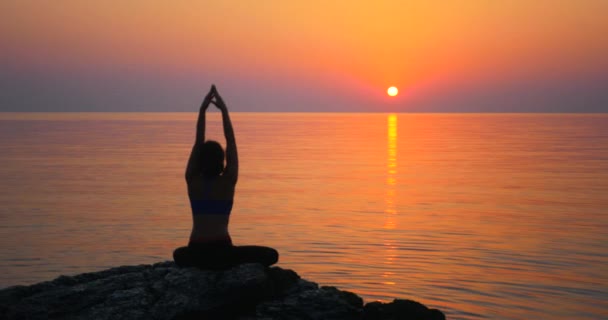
(212, 157)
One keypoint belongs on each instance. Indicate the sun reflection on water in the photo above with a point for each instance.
(391, 166)
(390, 209)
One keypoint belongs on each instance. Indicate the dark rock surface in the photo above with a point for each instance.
(164, 291)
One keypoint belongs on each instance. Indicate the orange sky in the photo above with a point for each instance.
(342, 52)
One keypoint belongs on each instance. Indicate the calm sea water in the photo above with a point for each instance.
(499, 216)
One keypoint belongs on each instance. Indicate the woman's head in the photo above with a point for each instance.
(212, 157)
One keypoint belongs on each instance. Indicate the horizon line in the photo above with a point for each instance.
(329, 112)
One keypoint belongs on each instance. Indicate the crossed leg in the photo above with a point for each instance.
(224, 257)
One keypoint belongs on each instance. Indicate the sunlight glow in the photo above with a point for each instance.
(392, 91)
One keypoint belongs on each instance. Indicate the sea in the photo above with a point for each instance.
(484, 216)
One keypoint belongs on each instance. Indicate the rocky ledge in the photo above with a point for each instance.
(164, 291)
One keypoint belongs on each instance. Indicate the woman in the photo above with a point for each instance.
(211, 188)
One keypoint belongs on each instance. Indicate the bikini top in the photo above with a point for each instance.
(210, 206)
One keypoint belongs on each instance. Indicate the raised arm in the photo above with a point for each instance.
(194, 162)
(232, 158)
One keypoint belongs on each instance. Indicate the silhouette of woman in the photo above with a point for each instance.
(211, 191)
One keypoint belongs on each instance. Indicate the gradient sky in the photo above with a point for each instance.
(313, 55)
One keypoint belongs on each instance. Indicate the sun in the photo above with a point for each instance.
(392, 91)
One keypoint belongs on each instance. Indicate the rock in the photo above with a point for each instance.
(398, 309)
(164, 291)
(323, 303)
